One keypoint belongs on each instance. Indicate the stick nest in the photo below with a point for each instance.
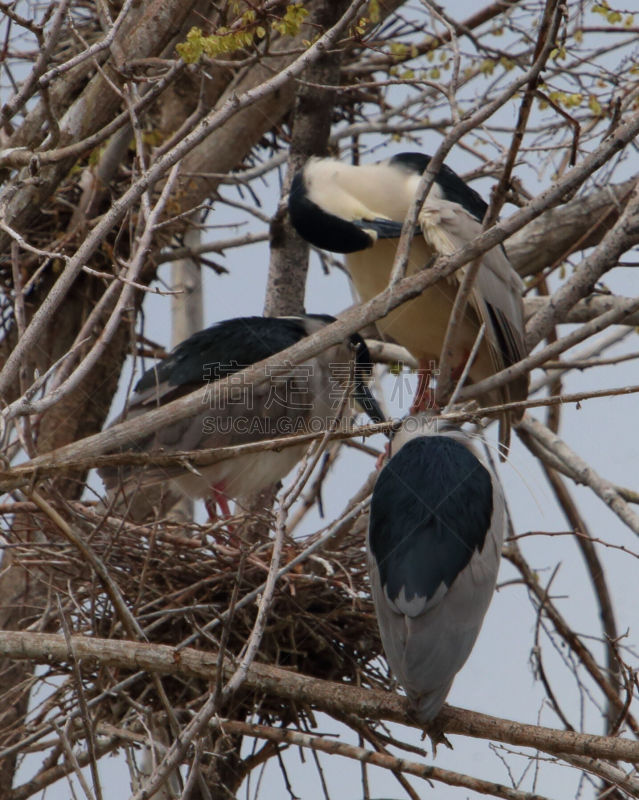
(177, 578)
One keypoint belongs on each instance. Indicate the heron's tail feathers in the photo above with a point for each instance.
(428, 704)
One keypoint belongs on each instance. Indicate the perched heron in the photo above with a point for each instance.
(436, 528)
(307, 397)
(359, 211)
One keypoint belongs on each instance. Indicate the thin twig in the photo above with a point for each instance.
(587, 475)
(384, 760)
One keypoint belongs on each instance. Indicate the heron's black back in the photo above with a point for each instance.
(453, 187)
(224, 348)
(231, 345)
(431, 510)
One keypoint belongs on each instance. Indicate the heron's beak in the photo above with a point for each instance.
(369, 405)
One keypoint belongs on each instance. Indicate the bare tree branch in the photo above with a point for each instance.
(324, 695)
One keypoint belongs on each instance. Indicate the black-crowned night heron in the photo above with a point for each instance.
(436, 529)
(308, 397)
(359, 210)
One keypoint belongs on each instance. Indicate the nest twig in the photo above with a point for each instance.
(176, 579)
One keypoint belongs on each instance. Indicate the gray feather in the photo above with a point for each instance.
(429, 625)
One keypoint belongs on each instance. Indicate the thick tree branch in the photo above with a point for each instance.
(312, 115)
(146, 30)
(622, 236)
(585, 310)
(575, 225)
(324, 695)
(210, 123)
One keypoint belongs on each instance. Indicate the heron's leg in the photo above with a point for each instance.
(435, 732)
(383, 456)
(217, 498)
(456, 372)
(211, 508)
(424, 396)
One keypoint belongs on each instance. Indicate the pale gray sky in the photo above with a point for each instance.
(498, 678)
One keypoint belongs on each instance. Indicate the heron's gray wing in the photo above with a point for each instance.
(502, 289)
(433, 571)
(497, 292)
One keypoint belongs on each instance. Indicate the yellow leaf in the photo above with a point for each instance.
(487, 66)
(594, 105)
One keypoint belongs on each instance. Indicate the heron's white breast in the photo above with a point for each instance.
(420, 324)
(241, 476)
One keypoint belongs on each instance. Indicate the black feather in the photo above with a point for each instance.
(384, 228)
(231, 345)
(453, 187)
(223, 349)
(363, 372)
(511, 349)
(321, 229)
(431, 510)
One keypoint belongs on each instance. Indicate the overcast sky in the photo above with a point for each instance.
(498, 678)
